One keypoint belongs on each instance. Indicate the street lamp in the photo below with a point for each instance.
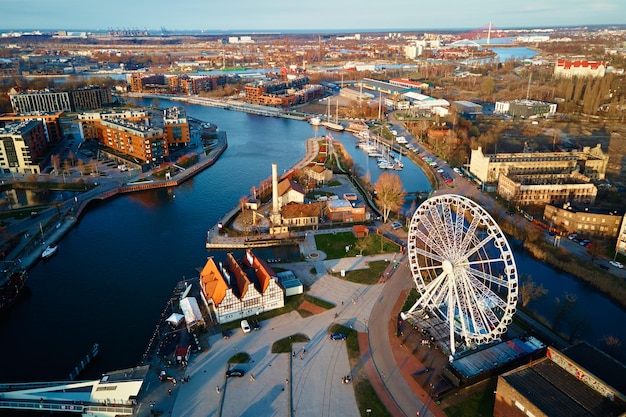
(368, 411)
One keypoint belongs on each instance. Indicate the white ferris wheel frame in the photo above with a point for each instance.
(459, 256)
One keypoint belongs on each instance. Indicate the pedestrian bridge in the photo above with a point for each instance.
(113, 394)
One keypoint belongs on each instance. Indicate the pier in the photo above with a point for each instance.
(84, 363)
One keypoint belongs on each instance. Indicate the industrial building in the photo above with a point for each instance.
(382, 86)
(467, 108)
(580, 381)
(526, 109)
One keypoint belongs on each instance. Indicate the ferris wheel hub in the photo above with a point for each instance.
(447, 266)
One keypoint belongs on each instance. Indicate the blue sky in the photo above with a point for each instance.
(276, 15)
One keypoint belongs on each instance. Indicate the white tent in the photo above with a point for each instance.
(191, 310)
(175, 319)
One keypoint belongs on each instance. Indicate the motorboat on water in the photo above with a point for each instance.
(315, 121)
(49, 251)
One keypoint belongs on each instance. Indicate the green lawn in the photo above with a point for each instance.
(285, 345)
(368, 276)
(334, 245)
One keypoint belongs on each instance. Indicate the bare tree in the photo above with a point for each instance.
(389, 193)
(529, 291)
(242, 203)
(55, 160)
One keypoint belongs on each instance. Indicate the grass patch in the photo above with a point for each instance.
(334, 245)
(318, 302)
(479, 403)
(285, 345)
(368, 276)
(241, 357)
(367, 399)
(411, 298)
(333, 183)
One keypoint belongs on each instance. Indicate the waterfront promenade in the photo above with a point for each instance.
(51, 224)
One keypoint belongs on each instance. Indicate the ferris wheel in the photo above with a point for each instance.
(464, 272)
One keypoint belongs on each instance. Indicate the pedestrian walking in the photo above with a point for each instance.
(217, 389)
(286, 380)
(169, 392)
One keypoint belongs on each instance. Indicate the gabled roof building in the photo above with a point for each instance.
(234, 290)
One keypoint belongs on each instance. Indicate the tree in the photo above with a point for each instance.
(389, 193)
(530, 291)
(55, 160)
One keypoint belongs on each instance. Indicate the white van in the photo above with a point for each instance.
(245, 326)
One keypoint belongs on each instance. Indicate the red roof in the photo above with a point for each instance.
(594, 65)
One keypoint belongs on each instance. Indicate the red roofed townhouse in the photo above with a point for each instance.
(234, 290)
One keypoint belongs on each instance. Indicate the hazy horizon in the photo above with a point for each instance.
(280, 16)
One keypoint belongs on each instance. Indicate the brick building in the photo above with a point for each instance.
(586, 221)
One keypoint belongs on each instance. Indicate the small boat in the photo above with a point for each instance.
(49, 251)
(315, 121)
(332, 126)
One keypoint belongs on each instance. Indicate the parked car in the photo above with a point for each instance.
(235, 373)
(617, 264)
(255, 324)
(245, 327)
(226, 334)
(396, 225)
(337, 336)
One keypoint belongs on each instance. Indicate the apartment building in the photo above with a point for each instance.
(59, 101)
(583, 220)
(235, 290)
(282, 93)
(591, 162)
(137, 140)
(22, 147)
(176, 126)
(51, 123)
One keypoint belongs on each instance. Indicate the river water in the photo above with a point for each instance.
(115, 271)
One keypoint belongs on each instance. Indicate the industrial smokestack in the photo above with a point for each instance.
(275, 215)
(274, 188)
